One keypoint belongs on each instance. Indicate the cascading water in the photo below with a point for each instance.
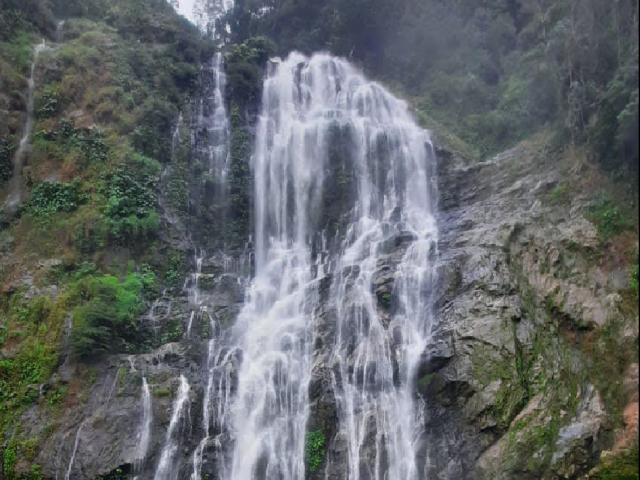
(219, 124)
(213, 129)
(15, 195)
(146, 419)
(167, 469)
(76, 442)
(306, 103)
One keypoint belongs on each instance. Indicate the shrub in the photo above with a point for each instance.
(314, 449)
(47, 103)
(52, 197)
(105, 319)
(131, 210)
(7, 149)
(608, 217)
(244, 68)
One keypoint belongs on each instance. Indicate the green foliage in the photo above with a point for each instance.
(492, 71)
(12, 23)
(120, 473)
(105, 318)
(56, 395)
(20, 15)
(10, 459)
(244, 69)
(87, 142)
(176, 269)
(47, 103)
(51, 197)
(240, 185)
(18, 51)
(162, 392)
(622, 466)
(21, 376)
(172, 332)
(559, 194)
(153, 136)
(385, 299)
(131, 204)
(609, 218)
(314, 449)
(7, 149)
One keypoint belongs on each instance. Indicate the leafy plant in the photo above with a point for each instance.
(47, 103)
(7, 149)
(608, 217)
(51, 197)
(314, 449)
(130, 211)
(105, 319)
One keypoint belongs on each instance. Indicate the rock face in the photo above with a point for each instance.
(509, 392)
(511, 396)
(509, 389)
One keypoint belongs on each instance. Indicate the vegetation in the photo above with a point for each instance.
(492, 71)
(51, 197)
(609, 217)
(244, 69)
(130, 209)
(622, 466)
(314, 449)
(106, 100)
(104, 319)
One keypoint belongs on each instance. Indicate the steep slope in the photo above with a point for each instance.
(446, 317)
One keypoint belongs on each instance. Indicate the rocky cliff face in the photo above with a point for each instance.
(531, 370)
(522, 381)
(522, 378)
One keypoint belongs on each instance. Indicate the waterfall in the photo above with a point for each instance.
(167, 467)
(219, 124)
(15, 197)
(212, 134)
(76, 443)
(60, 31)
(315, 112)
(144, 435)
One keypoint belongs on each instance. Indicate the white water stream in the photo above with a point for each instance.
(167, 467)
(15, 185)
(305, 101)
(146, 420)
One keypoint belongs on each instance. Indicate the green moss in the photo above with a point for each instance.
(423, 382)
(623, 466)
(172, 332)
(559, 194)
(162, 392)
